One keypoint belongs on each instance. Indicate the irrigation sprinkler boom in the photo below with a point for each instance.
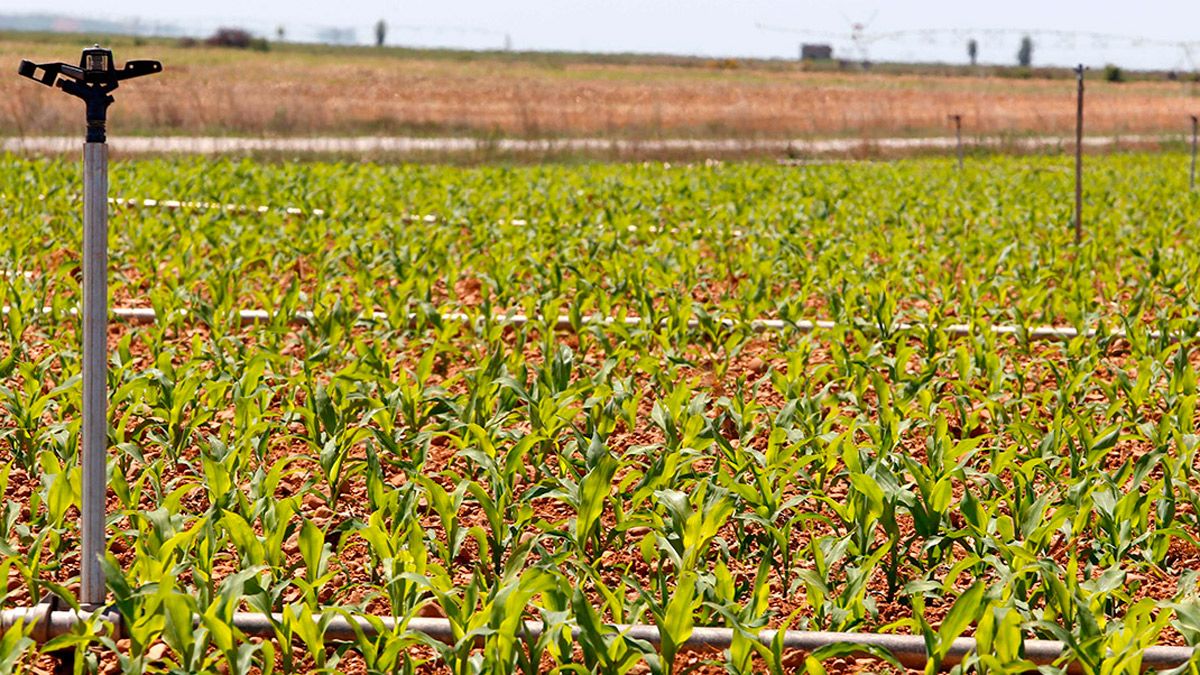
(93, 81)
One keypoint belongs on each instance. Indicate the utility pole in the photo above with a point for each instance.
(1079, 158)
(1195, 129)
(957, 119)
(93, 81)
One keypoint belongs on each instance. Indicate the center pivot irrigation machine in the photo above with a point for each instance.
(93, 81)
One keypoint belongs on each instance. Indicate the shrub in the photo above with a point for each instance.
(236, 38)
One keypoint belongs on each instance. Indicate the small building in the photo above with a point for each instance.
(816, 52)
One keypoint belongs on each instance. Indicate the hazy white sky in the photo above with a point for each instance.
(704, 27)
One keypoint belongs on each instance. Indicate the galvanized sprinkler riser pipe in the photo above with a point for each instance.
(93, 81)
(95, 370)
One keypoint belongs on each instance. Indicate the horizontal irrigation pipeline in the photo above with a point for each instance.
(564, 323)
(401, 145)
(175, 204)
(429, 218)
(190, 205)
(45, 623)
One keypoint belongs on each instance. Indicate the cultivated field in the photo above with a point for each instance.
(290, 91)
(387, 458)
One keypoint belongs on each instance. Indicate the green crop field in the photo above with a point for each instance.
(411, 452)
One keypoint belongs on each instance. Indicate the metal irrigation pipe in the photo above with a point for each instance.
(1195, 133)
(93, 81)
(910, 650)
(1079, 158)
(563, 322)
(957, 119)
(95, 371)
(172, 204)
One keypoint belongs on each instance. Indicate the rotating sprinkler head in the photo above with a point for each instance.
(93, 80)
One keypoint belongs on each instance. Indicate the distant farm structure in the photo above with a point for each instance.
(816, 52)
